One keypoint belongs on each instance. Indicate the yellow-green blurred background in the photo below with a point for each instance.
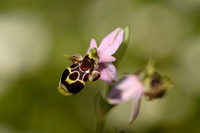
(35, 33)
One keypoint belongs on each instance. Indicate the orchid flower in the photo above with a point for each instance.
(148, 83)
(128, 88)
(108, 46)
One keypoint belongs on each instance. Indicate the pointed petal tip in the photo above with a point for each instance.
(136, 107)
(93, 44)
(131, 122)
(111, 42)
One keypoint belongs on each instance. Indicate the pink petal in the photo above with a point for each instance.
(136, 106)
(111, 42)
(108, 72)
(128, 88)
(93, 44)
(105, 58)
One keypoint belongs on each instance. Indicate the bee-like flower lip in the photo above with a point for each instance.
(63, 90)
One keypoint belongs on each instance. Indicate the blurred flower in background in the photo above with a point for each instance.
(128, 88)
(147, 82)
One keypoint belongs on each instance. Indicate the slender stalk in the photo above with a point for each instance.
(100, 125)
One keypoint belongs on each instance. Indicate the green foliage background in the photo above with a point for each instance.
(34, 33)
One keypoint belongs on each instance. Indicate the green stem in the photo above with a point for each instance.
(100, 125)
(108, 88)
